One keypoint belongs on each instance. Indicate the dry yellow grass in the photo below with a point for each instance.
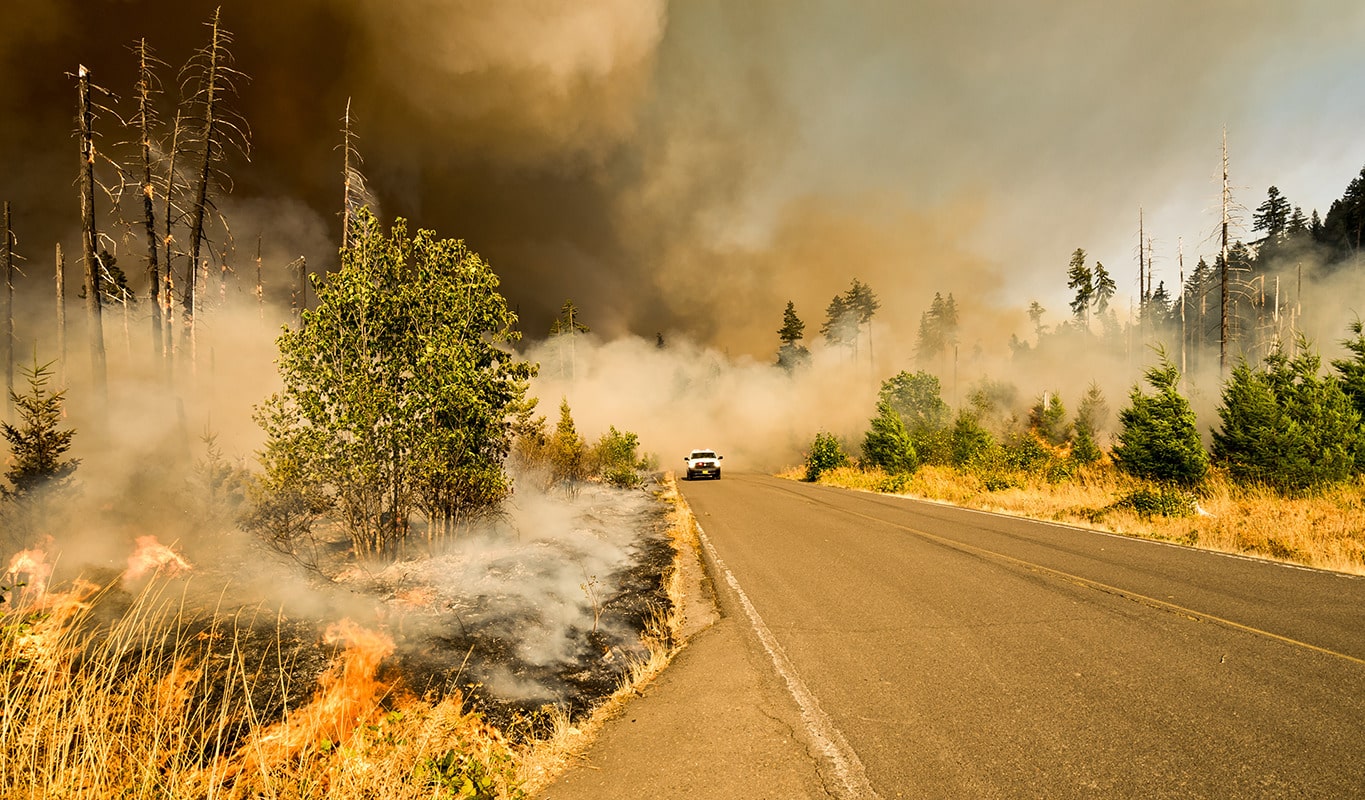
(144, 708)
(1326, 531)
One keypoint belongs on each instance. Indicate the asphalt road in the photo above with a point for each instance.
(941, 652)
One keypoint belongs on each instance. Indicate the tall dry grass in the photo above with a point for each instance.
(1325, 531)
(157, 704)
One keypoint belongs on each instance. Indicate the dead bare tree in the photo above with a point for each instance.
(7, 264)
(298, 298)
(211, 72)
(356, 192)
(93, 292)
(147, 88)
(61, 316)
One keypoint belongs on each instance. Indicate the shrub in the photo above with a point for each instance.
(1047, 418)
(1165, 501)
(615, 459)
(825, 454)
(969, 443)
(887, 444)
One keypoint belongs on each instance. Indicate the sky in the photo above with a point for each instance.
(686, 168)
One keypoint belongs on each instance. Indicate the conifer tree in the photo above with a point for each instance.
(38, 443)
(1158, 439)
(1287, 426)
(792, 354)
(1047, 418)
(887, 444)
(1080, 280)
(1091, 418)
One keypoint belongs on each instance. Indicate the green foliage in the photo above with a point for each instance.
(568, 451)
(918, 400)
(1079, 279)
(971, 444)
(614, 457)
(398, 388)
(887, 444)
(791, 355)
(1286, 426)
(1159, 440)
(1047, 418)
(1352, 370)
(1026, 454)
(1091, 419)
(1164, 501)
(38, 443)
(825, 454)
(462, 776)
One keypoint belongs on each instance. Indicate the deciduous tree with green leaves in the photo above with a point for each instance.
(887, 443)
(398, 389)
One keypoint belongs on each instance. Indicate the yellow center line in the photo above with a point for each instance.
(1197, 616)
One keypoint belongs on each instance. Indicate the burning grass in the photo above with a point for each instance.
(1326, 531)
(127, 686)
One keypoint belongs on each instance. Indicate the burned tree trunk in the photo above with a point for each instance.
(61, 316)
(7, 264)
(93, 291)
(144, 91)
(168, 309)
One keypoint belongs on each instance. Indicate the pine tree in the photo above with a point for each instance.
(791, 354)
(1158, 439)
(887, 444)
(38, 443)
(1273, 215)
(841, 323)
(1035, 315)
(1081, 281)
(1091, 418)
(1047, 418)
(1287, 426)
(1352, 370)
(1104, 288)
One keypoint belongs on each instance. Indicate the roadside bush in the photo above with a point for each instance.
(895, 483)
(1159, 502)
(969, 442)
(825, 454)
(615, 458)
(1026, 454)
(887, 444)
(1047, 418)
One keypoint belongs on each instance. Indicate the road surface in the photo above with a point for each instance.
(929, 651)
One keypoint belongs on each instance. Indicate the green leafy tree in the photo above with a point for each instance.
(38, 444)
(825, 454)
(917, 398)
(398, 388)
(1158, 437)
(1287, 426)
(616, 459)
(887, 444)
(1080, 280)
(792, 354)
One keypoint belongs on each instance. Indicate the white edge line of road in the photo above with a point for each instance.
(824, 735)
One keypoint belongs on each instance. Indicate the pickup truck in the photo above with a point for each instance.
(703, 464)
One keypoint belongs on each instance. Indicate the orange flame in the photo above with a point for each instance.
(348, 696)
(33, 564)
(152, 556)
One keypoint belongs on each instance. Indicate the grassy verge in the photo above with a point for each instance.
(150, 701)
(1326, 531)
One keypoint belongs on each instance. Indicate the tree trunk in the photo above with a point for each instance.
(144, 88)
(61, 316)
(93, 291)
(198, 210)
(7, 264)
(168, 309)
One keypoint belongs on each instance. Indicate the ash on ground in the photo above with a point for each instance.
(544, 607)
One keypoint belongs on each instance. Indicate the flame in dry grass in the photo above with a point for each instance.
(152, 556)
(34, 567)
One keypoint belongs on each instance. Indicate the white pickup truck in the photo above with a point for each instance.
(703, 464)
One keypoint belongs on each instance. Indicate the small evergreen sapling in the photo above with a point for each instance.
(38, 442)
(1159, 440)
